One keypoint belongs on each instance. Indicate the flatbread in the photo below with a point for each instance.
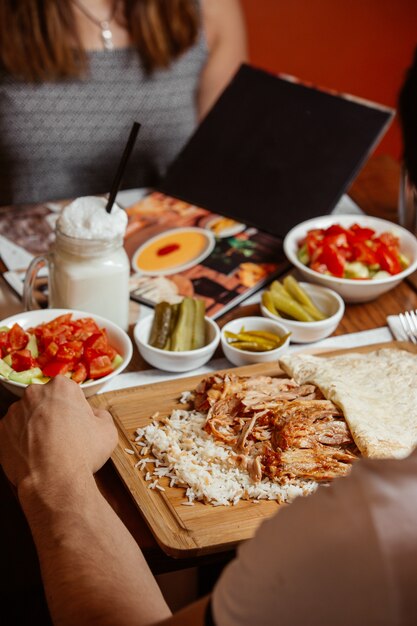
(377, 392)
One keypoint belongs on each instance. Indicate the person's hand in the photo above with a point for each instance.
(53, 432)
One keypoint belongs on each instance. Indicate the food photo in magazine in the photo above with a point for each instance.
(176, 249)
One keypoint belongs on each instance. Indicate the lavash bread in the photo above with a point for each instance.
(377, 392)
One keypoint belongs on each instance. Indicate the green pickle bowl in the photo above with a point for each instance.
(328, 301)
(175, 361)
(240, 357)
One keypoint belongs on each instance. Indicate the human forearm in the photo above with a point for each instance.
(51, 443)
(225, 32)
(93, 571)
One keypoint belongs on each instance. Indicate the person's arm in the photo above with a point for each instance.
(51, 442)
(225, 33)
(92, 569)
(302, 566)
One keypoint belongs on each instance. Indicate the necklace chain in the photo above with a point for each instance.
(104, 25)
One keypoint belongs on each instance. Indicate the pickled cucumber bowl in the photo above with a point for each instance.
(239, 356)
(351, 289)
(327, 301)
(173, 361)
(117, 338)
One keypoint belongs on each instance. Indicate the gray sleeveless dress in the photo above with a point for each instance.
(64, 139)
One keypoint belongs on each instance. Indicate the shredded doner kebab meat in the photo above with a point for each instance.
(276, 428)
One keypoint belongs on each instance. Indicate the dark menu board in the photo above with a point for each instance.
(273, 152)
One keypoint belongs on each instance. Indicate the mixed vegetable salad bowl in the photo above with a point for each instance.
(359, 256)
(38, 345)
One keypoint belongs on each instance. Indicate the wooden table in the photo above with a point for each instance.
(376, 191)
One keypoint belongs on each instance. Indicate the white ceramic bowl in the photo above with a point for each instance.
(117, 338)
(175, 361)
(328, 301)
(244, 357)
(352, 290)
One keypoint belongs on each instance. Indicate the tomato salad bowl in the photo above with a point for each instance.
(38, 345)
(358, 256)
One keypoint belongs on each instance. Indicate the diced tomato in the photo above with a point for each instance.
(51, 349)
(315, 254)
(53, 368)
(43, 336)
(389, 240)
(79, 374)
(388, 259)
(17, 337)
(111, 352)
(329, 249)
(364, 253)
(90, 354)
(4, 343)
(85, 326)
(313, 240)
(42, 359)
(59, 321)
(60, 327)
(22, 360)
(98, 342)
(359, 233)
(321, 268)
(337, 239)
(70, 351)
(78, 346)
(63, 335)
(334, 261)
(334, 229)
(100, 366)
(81, 335)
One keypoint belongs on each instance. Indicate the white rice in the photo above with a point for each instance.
(190, 458)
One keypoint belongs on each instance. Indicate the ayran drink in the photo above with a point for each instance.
(88, 266)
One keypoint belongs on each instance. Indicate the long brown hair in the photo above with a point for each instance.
(39, 40)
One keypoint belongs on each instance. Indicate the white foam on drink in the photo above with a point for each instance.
(87, 218)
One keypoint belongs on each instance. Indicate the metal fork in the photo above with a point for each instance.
(408, 321)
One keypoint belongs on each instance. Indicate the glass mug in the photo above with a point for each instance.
(89, 275)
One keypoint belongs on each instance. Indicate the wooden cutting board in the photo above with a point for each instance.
(186, 531)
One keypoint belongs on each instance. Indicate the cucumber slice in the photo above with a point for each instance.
(26, 376)
(303, 255)
(5, 369)
(380, 275)
(356, 270)
(32, 346)
(118, 360)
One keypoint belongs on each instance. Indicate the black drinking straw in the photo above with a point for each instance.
(122, 165)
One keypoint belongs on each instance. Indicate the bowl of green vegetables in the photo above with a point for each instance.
(248, 340)
(177, 337)
(310, 312)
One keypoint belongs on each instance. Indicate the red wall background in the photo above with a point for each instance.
(362, 47)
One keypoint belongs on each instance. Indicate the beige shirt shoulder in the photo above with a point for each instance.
(345, 555)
